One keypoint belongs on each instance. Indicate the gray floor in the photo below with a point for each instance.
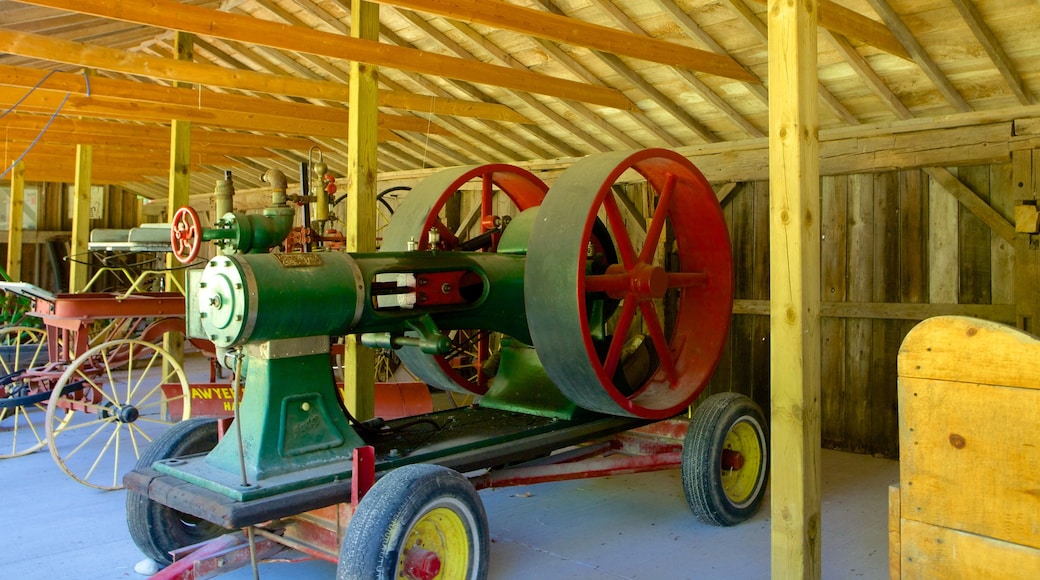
(624, 527)
(634, 526)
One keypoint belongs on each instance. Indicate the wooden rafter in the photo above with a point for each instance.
(560, 28)
(131, 63)
(250, 30)
(996, 53)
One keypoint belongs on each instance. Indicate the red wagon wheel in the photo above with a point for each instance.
(417, 216)
(653, 354)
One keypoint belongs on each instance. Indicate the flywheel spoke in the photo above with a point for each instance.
(661, 215)
(664, 351)
(617, 226)
(617, 343)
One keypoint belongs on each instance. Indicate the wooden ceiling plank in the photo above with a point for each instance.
(699, 86)
(561, 28)
(862, 68)
(558, 120)
(759, 28)
(206, 22)
(920, 57)
(995, 51)
(662, 100)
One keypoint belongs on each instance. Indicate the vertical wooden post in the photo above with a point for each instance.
(358, 361)
(179, 190)
(14, 223)
(78, 274)
(794, 307)
(1027, 250)
(180, 161)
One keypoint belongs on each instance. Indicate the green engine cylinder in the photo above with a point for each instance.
(260, 297)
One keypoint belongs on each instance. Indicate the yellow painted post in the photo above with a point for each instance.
(359, 361)
(14, 223)
(78, 274)
(179, 191)
(794, 309)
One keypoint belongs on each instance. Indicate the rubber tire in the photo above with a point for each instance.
(156, 529)
(385, 516)
(702, 459)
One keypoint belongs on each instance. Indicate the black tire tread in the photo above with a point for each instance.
(155, 528)
(701, 457)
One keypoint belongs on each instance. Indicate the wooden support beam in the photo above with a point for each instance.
(78, 274)
(845, 22)
(212, 101)
(358, 361)
(794, 289)
(558, 28)
(180, 177)
(47, 101)
(1001, 226)
(14, 219)
(17, 124)
(214, 23)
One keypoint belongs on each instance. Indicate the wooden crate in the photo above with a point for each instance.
(968, 503)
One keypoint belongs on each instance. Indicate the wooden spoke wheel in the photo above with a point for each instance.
(157, 529)
(642, 336)
(109, 404)
(419, 521)
(725, 459)
(421, 213)
(22, 401)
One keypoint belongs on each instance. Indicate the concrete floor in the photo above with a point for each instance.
(633, 526)
(623, 527)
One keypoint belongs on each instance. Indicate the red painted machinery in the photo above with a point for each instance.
(585, 329)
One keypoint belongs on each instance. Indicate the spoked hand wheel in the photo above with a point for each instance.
(22, 399)
(186, 234)
(109, 404)
(642, 336)
(420, 214)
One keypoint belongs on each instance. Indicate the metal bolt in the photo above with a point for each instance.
(306, 406)
(446, 288)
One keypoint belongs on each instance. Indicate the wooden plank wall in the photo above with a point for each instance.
(893, 238)
(54, 224)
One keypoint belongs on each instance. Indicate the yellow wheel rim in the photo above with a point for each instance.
(442, 532)
(742, 462)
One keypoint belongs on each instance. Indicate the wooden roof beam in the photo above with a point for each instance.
(906, 38)
(206, 22)
(47, 48)
(845, 22)
(996, 53)
(46, 101)
(137, 133)
(560, 28)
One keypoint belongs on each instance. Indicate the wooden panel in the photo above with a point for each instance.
(932, 552)
(943, 248)
(894, 537)
(1002, 254)
(968, 500)
(975, 266)
(859, 333)
(833, 262)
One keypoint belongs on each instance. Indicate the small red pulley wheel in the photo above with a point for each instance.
(186, 235)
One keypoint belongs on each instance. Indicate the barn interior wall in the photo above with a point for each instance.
(45, 250)
(888, 239)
